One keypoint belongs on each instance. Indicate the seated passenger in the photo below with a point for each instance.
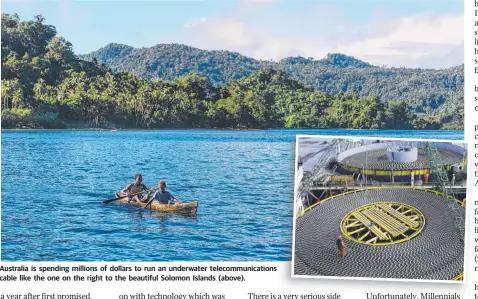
(162, 195)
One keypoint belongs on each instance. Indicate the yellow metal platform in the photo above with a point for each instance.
(383, 223)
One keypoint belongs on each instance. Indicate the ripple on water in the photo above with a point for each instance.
(53, 183)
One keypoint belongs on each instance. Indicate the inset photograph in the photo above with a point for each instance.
(379, 208)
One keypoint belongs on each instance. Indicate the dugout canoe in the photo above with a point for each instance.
(189, 208)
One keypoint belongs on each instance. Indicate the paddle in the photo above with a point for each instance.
(149, 203)
(151, 200)
(116, 198)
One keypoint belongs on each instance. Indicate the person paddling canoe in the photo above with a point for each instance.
(162, 195)
(137, 187)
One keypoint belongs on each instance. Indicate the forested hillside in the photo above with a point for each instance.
(171, 61)
(44, 84)
(423, 90)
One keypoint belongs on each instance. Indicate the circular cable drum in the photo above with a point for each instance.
(377, 159)
(436, 253)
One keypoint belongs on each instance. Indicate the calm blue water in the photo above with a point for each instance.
(53, 184)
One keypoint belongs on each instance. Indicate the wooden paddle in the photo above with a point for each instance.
(149, 203)
(121, 197)
(151, 200)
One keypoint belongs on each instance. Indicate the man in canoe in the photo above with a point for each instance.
(135, 190)
(164, 196)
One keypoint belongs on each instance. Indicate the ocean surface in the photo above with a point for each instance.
(54, 182)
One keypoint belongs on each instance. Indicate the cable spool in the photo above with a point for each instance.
(382, 161)
(436, 253)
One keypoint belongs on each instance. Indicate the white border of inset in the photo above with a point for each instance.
(467, 225)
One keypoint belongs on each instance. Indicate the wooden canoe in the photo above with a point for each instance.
(189, 208)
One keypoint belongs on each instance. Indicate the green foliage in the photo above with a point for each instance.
(22, 37)
(426, 122)
(452, 112)
(424, 90)
(12, 94)
(398, 115)
(453, 126)
(350, 111)
(171, 61)
(18, 112)
(47, 120)
(44, 84)
(16, 117)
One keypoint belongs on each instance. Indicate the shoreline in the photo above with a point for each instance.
(214, 129)
(130, 129)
